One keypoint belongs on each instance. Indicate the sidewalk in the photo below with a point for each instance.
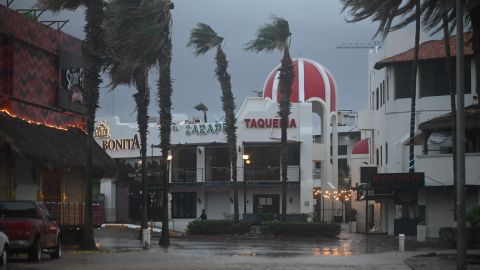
(444, 259)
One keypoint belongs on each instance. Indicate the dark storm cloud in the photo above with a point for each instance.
(317, 27)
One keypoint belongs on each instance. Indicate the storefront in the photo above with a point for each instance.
(199, 167)
(42, 122)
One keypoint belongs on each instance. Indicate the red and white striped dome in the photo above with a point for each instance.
(312, 82)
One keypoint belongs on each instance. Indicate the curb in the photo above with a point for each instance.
(108, 251)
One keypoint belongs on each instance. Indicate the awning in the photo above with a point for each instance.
(444, 122)
(52, 148)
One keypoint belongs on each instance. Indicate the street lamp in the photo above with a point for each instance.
(246, 161)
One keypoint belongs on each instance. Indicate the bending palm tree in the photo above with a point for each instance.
(159, 10)
(92, 55)
(202, 108)
(385, 11)
(277, 36)
(202, 39)
(127, 66)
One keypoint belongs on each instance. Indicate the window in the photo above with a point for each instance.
(217, 165)
(343, 170)
(388, 92)
(403, 80)
(434, 78)
(342, 150)
(381, 156)
(383, 91)
(377, 156)
(376, 94)
(381, 95)
(184, 165)
(372, 106)
(184, 205)
(386, 153)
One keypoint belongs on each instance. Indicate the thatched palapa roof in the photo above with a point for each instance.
(472, 120)
(51, 148)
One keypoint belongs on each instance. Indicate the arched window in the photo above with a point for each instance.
(386, 153)
(381, 156)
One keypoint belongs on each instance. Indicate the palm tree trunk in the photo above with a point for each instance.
(228, 104)
(92, 51)
(286, 80)
(448, 59)
(411, 161)
(205, 116)
(142, 100)
(165, 102)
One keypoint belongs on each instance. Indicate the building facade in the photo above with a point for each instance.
(199, 167)
(42, 122)
(385, 129)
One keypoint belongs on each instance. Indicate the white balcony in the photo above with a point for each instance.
(438, 169)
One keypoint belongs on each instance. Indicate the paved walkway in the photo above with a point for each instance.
(350, 251)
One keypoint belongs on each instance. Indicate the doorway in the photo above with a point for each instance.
(266, 203)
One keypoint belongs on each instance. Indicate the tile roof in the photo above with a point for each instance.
(432, 49)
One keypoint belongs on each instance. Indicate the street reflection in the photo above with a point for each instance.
(343, 250)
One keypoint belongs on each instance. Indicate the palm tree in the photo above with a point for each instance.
(92, 55)
(159, 11)
(270, 37)
(126, 65)
(202, 108)
(202, 39)
(385, 12)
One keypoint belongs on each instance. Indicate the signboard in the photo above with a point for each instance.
(71, 94)
(267, 123)
(102, 131)
(366, 174)
(398, 180)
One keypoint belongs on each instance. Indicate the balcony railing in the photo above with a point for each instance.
(220, 176)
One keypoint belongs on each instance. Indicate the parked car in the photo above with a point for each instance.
(4, 248)
(30, 229)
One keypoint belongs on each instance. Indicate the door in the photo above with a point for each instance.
(266, 203)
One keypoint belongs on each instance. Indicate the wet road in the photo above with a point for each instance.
(354, 252)
(176, 259)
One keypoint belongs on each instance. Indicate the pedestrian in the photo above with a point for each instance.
(203, 216)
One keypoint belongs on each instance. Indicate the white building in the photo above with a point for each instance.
(385, 130)
(199, 170)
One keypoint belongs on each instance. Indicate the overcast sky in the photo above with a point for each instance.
(317, 27)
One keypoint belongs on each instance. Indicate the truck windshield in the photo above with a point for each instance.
(17, 210)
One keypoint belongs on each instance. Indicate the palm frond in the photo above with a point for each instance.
(57, 5)
(203, 38)
(271, 36)
(201, 107)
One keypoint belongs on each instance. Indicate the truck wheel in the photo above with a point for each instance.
(57, 253)
(35, 252)
(4, 259)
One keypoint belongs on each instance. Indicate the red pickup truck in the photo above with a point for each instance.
(30, 228)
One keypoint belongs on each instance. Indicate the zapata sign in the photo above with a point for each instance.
(71, 94)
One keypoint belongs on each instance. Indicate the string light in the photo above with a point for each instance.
(39, 123)
(343, 195)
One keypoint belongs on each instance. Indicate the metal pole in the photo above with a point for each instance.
(461, 236)
(244, 195)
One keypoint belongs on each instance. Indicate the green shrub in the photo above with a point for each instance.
(210, 227)
(473, 219)
(448, 234)
(300, 228)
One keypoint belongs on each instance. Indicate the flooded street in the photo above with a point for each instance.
(350, 251)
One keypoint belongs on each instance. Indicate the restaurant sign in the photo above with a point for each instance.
(102, 131)
(204, 128)
(398, 180)
(267, 123)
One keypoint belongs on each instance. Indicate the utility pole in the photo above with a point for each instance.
(461, 234)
